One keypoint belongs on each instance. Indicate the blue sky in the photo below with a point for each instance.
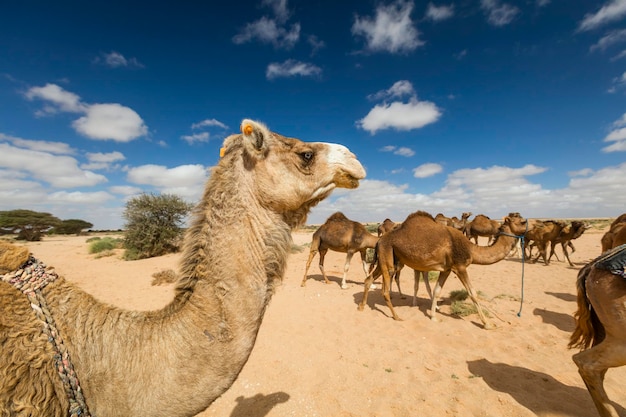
(487, 106)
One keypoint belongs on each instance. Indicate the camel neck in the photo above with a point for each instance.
(487, 255)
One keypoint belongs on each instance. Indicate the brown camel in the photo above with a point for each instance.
(482, 225)
(616, 235)
(176, 361)
(425, 245)
(386, 226)
(341, 235)
(462, 223)
(601, 323)
(541, 234)
(572, 231)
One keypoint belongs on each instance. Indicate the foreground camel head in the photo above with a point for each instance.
(289, 173)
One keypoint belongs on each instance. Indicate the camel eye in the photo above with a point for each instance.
(307, 156)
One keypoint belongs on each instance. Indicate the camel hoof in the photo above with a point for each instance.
(303, 284)
(373, 287)
(344, 286)
(489, 326)
(396, 318)
(360, 307)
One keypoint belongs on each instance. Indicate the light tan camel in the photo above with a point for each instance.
(425, 245)
(616, 235)
(572, 231)
(340, 234)
(176, 361)
(481, 225)
(601, 323)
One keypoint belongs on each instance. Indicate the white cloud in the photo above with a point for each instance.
(611, 38)
(100, 160)
(439, 13)
(401, 116)
(499, 14)
(610, 12)
(397, 90)
(196, 137)
(292, 68)
(126, 190)
(404, 151)
(100, 121)
(58, 171)
(427, 170)
(280, 9)
(268, 31)
(391, 30)
(186, 181)
(58, 148)
(78, 197)
(209, 123)
(114, 59)
(617, 135)
(316, 44)
(61, 99)
(110, 121)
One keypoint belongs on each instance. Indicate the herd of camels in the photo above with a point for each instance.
(59, 343)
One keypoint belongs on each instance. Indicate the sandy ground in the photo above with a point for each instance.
(316, 355)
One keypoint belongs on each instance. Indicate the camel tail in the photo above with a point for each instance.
(589, 331)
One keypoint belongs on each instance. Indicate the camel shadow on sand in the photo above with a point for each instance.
(561, 321)
(563, 296)
(259, 405)
(538, 392)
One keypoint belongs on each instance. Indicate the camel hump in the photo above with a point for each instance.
(12, 256)
(420, 213)
(337, 216)
(613, 260)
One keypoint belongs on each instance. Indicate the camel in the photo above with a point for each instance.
(462, 223)
(481, 225)
(601, 323)
(386, 226)
(340, 234)
(425, 245)
(572, 231)
(176, 361)
(541, 234)
(616, 235)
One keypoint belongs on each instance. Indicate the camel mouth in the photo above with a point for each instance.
(344, 179)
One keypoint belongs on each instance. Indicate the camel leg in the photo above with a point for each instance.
(346, 267)
(553, 252)
(367, 284)
(464, 277)
(387, 274)
(396, 277)
(365, 268)
(322, 255)
(416, 285)
(592, 366)
(567, 255)
(308, 264)
(443, 276)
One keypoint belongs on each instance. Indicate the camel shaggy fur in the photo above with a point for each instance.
(425, 245)
(600, 330)
(176, 361)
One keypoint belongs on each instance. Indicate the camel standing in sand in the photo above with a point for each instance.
(616, 235)
(601, 323)
(572, 231)
(340, 234)
(425, 245)
(541, 234)
(481, 225)
(385, 226)
(176, 361)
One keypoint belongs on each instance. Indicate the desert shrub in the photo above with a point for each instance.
(105, 244)
(154, 225)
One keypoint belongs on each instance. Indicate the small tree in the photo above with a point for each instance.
(153, 224)
(29, 225)
(72, 226)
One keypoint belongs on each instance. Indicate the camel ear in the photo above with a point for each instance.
(255, 136)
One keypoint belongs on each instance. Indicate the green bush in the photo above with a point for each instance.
(104, 244)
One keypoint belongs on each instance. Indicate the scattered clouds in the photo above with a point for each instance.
(58, 148)
(280, 9)
(272, 31)
(402, 150)
(498, 13)
(202, 137)
(114, 59)
(100, 160)
(316, 44)
(196, 137)
(617, 136)
(292, 68)
(611, 38)
(100, 121)
(611, 11)
(391, 30)
(427, 170)
(439, 13)
(399, 115)
(209, 123)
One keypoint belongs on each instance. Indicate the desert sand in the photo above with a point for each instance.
(317, 356)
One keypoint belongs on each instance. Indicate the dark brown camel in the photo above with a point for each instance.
(425, 245)
(572, 231)
(541, 234)
(341, 235)
(601, 323)
(616, 235)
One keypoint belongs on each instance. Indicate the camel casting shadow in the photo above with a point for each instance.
(259, 405)
(536, 391)
(561, 321)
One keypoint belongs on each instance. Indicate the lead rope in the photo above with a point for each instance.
(30, 279)
(521, 238)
